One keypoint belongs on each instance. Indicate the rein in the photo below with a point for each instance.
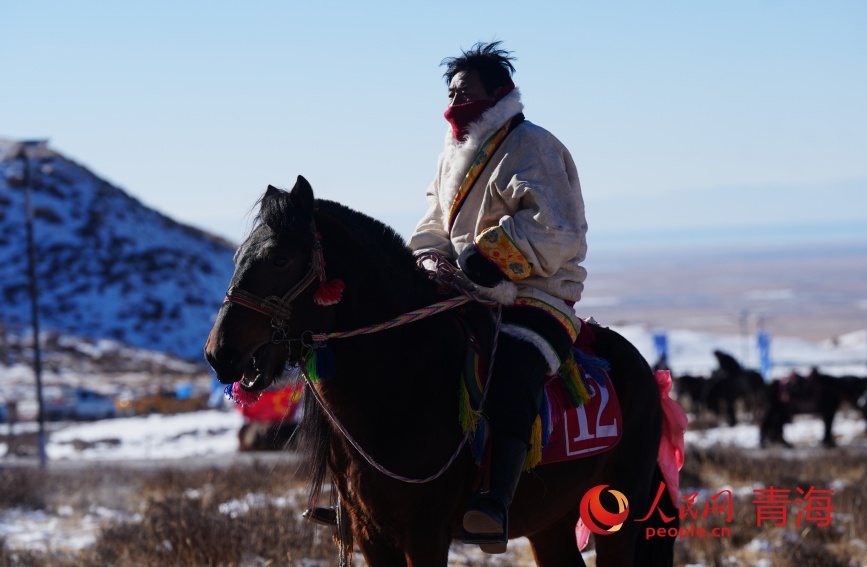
(409, 317)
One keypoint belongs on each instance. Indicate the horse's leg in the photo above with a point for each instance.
(423, 541)
(424, 555)
(428, 551)
(379, 554)
(555, 546)
(829, 406)
(732, 398)
(618, 549)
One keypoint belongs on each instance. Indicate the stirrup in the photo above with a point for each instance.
(324, 516)
(486, 524)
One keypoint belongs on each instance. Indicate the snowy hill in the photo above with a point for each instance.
(107, 266)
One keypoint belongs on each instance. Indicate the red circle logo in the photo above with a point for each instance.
(593, 513)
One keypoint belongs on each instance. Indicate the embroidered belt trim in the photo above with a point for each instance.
(561, 317)
(496, 245)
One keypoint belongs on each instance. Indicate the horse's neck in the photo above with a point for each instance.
(378, 300)
(386, 282)
(384, 377)
(401, 383)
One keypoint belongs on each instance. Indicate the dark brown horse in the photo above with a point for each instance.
(724, 392)
(815, 393)
(689, 391)
(395, 393)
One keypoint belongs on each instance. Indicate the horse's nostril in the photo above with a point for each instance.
(223, 358)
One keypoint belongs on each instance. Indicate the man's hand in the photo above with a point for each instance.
(478, 268)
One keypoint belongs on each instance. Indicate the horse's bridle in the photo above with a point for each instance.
(280, 308)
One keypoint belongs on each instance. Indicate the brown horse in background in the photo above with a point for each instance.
(815, 393)
(724, 393)
(395, 393)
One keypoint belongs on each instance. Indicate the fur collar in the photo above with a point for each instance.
(458, 157)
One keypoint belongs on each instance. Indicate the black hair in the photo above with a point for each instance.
(494, 65)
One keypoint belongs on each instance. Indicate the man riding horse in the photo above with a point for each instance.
(506, 204)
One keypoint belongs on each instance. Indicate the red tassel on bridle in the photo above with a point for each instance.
(328, 292)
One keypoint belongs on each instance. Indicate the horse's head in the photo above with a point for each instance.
(274, 295)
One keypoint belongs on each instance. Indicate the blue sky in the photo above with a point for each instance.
(726, 118)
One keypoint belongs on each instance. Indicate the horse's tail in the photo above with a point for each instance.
(314, 437)
(653, 550)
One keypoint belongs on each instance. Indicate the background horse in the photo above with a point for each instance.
(689, 390)
(395, 392)
(725, 393)
(815, 393)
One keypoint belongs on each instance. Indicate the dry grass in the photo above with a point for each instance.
(182, 517)
(248, 514)
(838, 544)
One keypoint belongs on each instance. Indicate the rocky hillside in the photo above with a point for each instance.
(107, 266)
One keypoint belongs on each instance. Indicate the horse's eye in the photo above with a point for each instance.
(279, 261)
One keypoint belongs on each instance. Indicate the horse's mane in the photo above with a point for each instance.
(278, 213)
(372, 234)
(370, 247)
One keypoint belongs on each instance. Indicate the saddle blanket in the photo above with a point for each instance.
(590, 429)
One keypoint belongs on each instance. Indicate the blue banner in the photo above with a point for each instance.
(660, 342)
(763, 342)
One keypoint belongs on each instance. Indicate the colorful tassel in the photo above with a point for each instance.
(310, 367)
(557, 399)
(240, 396)
(320, 364)
(534, 455)
(328, 293)
(593, 365)
(574, 383)
(468, 416)
(326, 364)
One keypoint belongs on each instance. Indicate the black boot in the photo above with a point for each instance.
(486, 521)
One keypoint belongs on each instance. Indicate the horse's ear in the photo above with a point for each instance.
(271, 191)
(302, 198)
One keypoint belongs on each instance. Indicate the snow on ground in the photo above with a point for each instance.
(804, 431)
(204, 433)
(36, 529)
(214, 433)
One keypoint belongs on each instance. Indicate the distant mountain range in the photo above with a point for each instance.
(107, 266)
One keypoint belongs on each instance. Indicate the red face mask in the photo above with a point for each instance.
(460, 116)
